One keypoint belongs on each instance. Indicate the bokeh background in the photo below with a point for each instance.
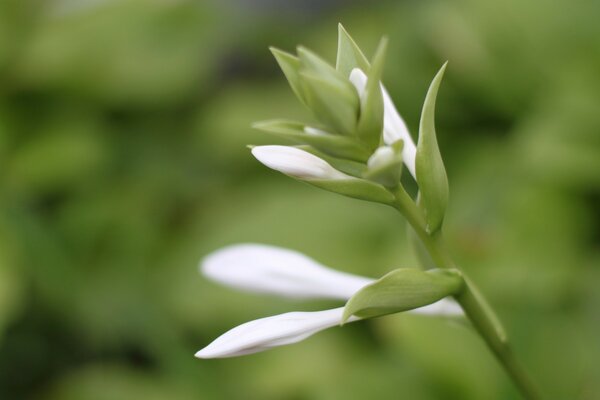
(123, 160)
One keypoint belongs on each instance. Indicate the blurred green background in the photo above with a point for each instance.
(123, 127)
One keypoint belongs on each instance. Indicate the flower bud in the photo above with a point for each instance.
(296, 163)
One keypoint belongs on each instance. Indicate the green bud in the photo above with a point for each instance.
(349, 55)
(370, 123)
(333, 145)
(430, 171)
(335, 104)
(385, 165)
(402, 290)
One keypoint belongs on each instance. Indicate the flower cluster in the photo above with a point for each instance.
(357, 147)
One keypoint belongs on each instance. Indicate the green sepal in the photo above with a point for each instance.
(290, 65)
(387, 172)
(334, 104)
(356, 188)
(430, 171)
(370, 122)
(334, 145)
(402, 290)
(353, 168)
(312, 62)
(349, 55)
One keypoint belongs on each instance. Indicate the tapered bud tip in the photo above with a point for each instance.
(203, 354)
(296, 163)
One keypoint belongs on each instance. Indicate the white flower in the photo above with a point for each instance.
(273, 270)
(265, 333)
(394, 127)
(296, 163)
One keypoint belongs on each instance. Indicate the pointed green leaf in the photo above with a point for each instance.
(334, 145)
(370, 123)
(349, 55)
(290, 65)
(431, 174)
(401, 290)
(334, 105)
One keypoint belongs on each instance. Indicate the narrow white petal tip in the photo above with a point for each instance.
(266, 333)
(204, 354)
(274, 270)
(296, 162)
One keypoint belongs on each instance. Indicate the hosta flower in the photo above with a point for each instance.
(273, 270)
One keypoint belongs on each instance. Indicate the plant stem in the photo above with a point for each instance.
(476, 308)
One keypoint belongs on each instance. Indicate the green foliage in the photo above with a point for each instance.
(401, 290)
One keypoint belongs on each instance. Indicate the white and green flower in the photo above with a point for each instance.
(287, 273)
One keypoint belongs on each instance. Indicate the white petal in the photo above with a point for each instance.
(265, 333)
(446, 307)
(296, 163)
(394, 127)
(274, 270)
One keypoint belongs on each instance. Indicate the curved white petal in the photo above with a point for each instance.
(278, 330)
(394, 127)
(265, 333)
(296, 163)
(274, 270)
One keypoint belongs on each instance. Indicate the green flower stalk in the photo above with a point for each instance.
(358, 146)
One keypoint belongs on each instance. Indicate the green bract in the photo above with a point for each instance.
(333, 103)
(349, 55)
(401, 290)
(370, 123)
(431, 174)
(290, 65)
